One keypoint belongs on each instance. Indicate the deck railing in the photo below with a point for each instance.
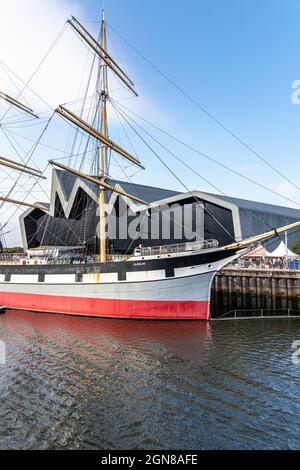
(176, 248)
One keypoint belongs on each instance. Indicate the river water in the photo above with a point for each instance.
(111, 384)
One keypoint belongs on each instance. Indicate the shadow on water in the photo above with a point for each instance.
(91, 383)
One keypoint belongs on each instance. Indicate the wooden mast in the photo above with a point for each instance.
(86, 127)
(17, 104)
(21, 168)
(102, 53)
(23, 203)
(103, 161)
(101, 132)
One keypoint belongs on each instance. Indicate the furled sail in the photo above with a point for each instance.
(102, 53)
(67, 114)
(23, 203)
(20, 167)
(17, 104)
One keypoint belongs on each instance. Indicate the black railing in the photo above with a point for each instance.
(258, 313)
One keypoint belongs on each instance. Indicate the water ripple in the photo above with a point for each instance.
(86, 383)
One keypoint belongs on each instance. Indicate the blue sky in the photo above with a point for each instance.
(237, 58)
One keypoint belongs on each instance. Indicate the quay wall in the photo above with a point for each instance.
(241, 289)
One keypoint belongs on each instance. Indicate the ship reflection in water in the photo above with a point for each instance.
(90, 383)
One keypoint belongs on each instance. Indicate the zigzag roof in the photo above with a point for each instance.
(66, 186)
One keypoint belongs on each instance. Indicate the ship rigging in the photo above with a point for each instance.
(171, 282)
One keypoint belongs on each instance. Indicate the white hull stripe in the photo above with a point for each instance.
(181, 288)
(92, 278)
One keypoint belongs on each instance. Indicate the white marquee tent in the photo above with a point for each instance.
(282, 251)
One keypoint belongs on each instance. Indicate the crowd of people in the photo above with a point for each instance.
(267, 263)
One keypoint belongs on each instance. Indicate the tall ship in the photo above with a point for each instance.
(170, 281)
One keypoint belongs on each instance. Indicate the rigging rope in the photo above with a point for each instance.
(26, 84)
(31, 152)
(165, 148)
(213, 160)
(204, 110)
(190, 168)
(178, 179)
(153, 125)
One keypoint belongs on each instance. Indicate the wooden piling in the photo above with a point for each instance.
(255, 289)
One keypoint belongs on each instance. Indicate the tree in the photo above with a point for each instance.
(16, 249)
(296, 247)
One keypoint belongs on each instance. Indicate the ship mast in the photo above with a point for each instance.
(103, 160)
(100, 131)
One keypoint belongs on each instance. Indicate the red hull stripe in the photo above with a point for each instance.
(112, 308)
